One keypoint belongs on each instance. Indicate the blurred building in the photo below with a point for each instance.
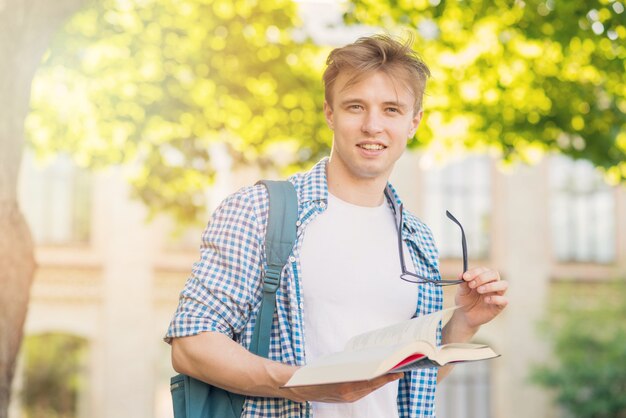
(111, 279)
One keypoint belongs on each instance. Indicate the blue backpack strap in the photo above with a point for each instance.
(280, 237)
(195, 399)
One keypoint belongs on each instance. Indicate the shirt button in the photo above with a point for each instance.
(292, 259)
(322, 205)
(301, 305)
(298, 223)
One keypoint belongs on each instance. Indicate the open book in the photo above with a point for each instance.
(401, 347)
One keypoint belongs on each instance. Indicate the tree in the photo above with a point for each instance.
(149, 83)
(27, 27)
(154, 83)
(588, 373)
(523, 77)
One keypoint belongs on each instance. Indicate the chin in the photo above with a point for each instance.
(371, 173)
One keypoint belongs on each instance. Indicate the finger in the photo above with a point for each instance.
(464, 289)
(333, 393)
(381, 381)
(493, 287)
(351, 392)
(472, 273)
(365, 390)
(375, 383)
(486, 276)
(393, 376)
(497, 300)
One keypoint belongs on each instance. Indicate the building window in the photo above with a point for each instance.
(582, 212)
(465, 393)
(463, 188)
(56, 200)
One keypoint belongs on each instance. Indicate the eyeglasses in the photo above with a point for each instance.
(416, 278)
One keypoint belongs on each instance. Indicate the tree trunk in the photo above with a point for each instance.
(27, 28)
(16, 272)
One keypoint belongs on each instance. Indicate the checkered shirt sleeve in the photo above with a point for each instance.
(220, 294)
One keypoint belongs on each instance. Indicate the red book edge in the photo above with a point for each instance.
(409, 359)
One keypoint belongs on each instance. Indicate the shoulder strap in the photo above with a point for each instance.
(280, 237)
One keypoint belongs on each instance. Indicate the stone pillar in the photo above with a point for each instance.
(523, 256)
(128, 352)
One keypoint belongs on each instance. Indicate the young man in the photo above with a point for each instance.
(344, 275)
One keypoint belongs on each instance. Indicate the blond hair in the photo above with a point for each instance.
(378, 53)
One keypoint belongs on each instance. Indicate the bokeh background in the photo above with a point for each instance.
(125, 122)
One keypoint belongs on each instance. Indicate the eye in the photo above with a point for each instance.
(393, 110)
(355, 107)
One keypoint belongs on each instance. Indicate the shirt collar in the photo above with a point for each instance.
(408, 221)
(312, 186)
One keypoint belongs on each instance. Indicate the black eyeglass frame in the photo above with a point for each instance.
(416, 278)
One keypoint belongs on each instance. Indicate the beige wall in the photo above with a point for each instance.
(120, 291)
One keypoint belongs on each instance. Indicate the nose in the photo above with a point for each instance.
(372, 123)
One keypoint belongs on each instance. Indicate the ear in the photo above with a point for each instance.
(328, 113)
(415, 122)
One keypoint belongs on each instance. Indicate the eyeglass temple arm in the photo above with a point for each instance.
(399, 216)
(398, 212)
(463, 241)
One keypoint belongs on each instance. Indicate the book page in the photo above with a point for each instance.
(421, 328)
(421, 363)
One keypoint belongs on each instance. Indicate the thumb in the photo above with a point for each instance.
(464, 288)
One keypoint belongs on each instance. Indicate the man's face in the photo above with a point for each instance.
(372, 121)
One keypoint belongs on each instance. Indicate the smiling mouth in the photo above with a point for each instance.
(372, 147)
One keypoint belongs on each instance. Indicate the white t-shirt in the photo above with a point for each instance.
(351, 284)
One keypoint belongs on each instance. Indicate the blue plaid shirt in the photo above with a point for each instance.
(224, 291)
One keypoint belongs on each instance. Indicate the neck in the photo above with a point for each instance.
(357, 191)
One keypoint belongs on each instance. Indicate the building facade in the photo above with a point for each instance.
(110, 278)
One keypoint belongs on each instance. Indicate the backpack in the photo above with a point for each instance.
(193, 398)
